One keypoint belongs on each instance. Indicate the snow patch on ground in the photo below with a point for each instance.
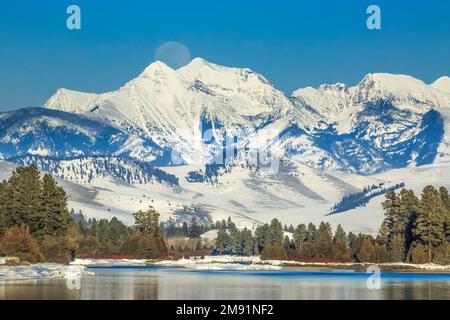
(40, 271)
(221, 263)
(108, 262)
(231, 266)
(245, 263)
(255, 263)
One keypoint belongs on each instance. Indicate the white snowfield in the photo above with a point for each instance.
(41, 271)
(443, 84)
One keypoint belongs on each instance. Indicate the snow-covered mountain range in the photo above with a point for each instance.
(330, 141)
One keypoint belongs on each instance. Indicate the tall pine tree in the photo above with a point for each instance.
(340, 238)
(391, 211)
(21, 199)
(276, 233)
(299, 236)
(446, 201)
(147, 222)
(54, 218)
(408, 208)
(429, 224)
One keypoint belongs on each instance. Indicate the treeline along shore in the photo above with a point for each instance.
(37, 226)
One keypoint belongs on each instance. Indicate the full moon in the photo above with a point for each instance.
(174, 54)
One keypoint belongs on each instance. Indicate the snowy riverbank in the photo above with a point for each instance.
(255, 263)
(109, 262)
(40, 271)
(79, 266)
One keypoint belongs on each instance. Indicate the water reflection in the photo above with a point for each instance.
(171, 283)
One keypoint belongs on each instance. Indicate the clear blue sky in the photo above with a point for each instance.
(293, 43)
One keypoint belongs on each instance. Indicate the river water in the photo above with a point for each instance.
(149, 283)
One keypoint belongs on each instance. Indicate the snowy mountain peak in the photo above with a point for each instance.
(443, 84)
(73, 101)
(198, 63)
(402, 91)
(391, 83)
(169, 106)
(220, 76)
(156, 67)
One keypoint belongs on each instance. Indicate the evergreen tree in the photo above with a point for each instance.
(247, 242)
(117, 231)
(408, 209)
(391, 212)
(397, 253)
(94, 228)
(275, 233)
(286, 243)
(445, 197)
(429, 224)
(147, 222)
(54, 215)
(103, 230)
(262, 237)
(230, 224)
(311, 234)
(2, 217)
(325, 246)
(340, 238)
(21, 199)
(446, 201)
(234, 245)
(299, 236)
(185, 229)
(195, 230)
(352, 242)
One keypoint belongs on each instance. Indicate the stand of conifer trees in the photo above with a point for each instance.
(417, 230)
(36, 226)
(414, 230)
(34, 218)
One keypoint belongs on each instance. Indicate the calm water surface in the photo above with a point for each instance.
(174, 283)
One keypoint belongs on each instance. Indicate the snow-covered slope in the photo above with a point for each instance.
(443, 84)
(86, 169)
(386, 121)
(383, 122)
(170, 106)
(341, 104)
(61, 135)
